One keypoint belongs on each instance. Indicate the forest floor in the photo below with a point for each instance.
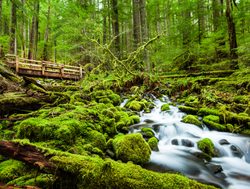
(58, 134)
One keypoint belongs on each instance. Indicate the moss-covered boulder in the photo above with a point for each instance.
(135, 105)
(147, 132)
(192, 101)
(165, 107)
(212, 122)
(207, 146)
(192, 120)
(188, 110)
(153, 143)
(131, 147)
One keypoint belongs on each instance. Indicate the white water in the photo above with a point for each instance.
(180, 158)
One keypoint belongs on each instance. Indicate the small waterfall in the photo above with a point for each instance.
(178, 150)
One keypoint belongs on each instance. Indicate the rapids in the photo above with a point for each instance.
(178, 150)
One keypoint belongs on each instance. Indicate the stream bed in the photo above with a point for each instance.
(178, 150)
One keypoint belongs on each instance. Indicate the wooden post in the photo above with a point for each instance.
(80, 72)
(17, 64)
(43, 68)
(62, 71)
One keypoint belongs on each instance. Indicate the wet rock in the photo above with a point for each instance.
(236, 151)
(175, 142)
(214, 168)
(202, 156)
(223, 142)
(220, 175)
(156, 127)
(149, 121)
(187, 143)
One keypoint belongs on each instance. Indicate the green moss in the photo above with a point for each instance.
(213, 118)
(153, 143)
(208, 111)
(132, 147)
(192, 101)
(147, 132)
(96, 139)
(134, 105)
(192, 120)
(11, 169)
(242, 99)
(207, 120)
(188, 110)
(165, 107)
(206, 146)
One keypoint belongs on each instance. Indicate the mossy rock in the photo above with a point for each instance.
(192, 120)
(11, 169)
(135, 105)
(188, 110)
(208, 111)
(213, 118)
(153, 143)
(192, 101)
(147, 132)
(96, 139)
(206, 145)
(213, 125)
(131, 147)
(165, 107)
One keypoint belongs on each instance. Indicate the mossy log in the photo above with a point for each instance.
(94, 172)
(219, 73)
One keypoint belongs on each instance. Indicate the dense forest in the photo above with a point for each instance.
(162, 100)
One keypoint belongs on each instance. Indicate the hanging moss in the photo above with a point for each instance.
(131, 147)
(192, 120)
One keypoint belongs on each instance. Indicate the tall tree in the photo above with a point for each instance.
(46, 35)
(115, 26)
(201, 19)
(12, 43)
(136, 23)
(34, 31)
(1, 22)
(231, 33)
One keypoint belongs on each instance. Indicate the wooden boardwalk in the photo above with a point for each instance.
(37, 68)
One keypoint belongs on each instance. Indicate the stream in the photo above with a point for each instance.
(178, 150)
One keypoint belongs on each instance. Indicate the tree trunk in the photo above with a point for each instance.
(144, 31)
(201, 19)
(1, 22)
(94, 172)
(46, 36)
(12, 43)
(115, 26)
(34, 32)
(136, 23)
(231, 34)
(23, 31)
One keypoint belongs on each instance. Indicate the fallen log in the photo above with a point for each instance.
(94, 172)
(28, 154)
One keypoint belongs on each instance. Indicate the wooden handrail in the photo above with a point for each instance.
(43, 68)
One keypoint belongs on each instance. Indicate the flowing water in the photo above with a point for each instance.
(178, 150)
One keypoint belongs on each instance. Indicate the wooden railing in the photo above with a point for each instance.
(37, 68)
